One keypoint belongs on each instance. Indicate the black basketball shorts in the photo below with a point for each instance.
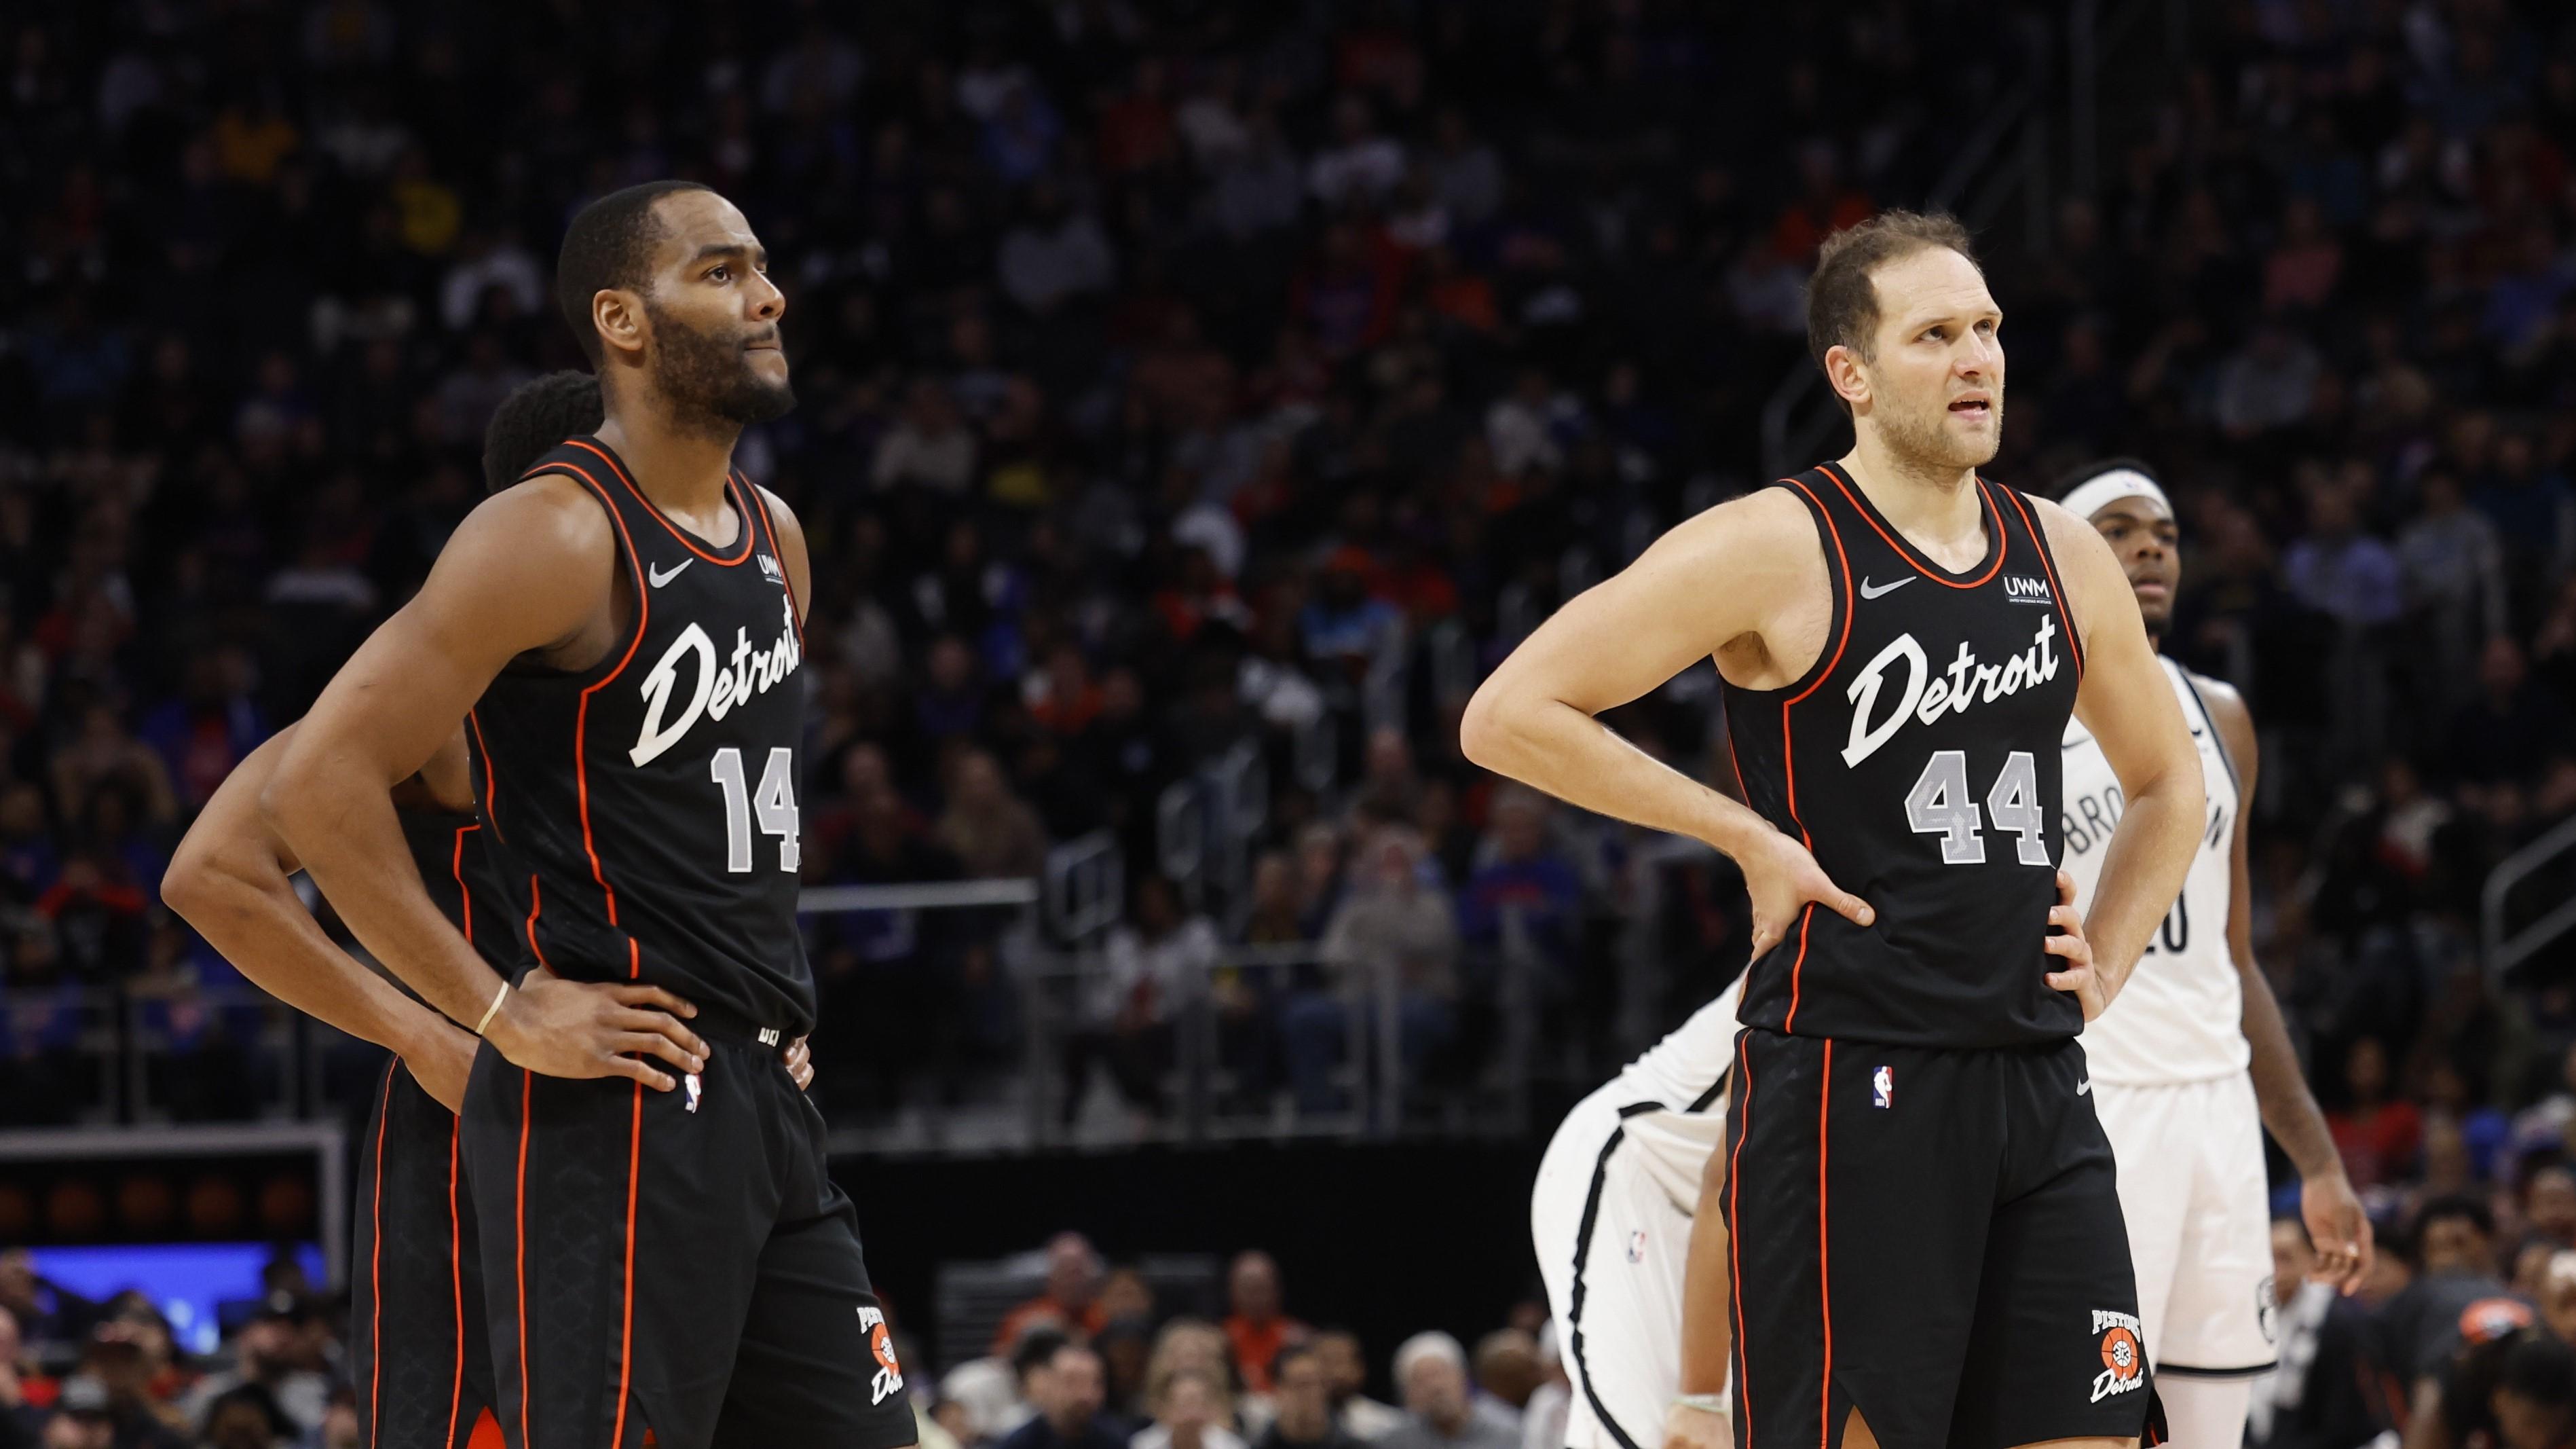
(1931, 1237)
(676, 1261)
(419, 1353)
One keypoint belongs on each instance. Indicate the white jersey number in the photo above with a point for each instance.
(774, 804)
(1940, 804)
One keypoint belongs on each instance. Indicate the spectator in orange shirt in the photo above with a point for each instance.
(1071, 1301)
(1254, 1325)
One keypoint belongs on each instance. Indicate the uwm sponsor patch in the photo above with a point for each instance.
(716, 686)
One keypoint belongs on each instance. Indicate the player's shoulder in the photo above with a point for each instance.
(1765, 518)
(781, 517)
(547, 514)
(2227, 710)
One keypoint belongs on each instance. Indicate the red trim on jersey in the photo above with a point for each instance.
(2003, 541)
(527, 1105)
(626, 1346)
(1788, 747)
(1738, 765)
(1824, 1254)
(687, 542)
(581, 715)
(769, 531)
(464, 892)
(491, 782)
(1735, 1237)
(376, 1271)
(536, 904)
(455, 1277)
(2056, 595)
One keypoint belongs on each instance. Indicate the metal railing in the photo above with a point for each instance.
(1273, 1042)
(2507, 947)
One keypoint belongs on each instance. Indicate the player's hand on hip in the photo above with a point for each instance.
(2079, 977)
(441, 1061)
(565, 1028)
(2340, 1229)
(798, 1059)
(1689, 1427)
(1783, 880)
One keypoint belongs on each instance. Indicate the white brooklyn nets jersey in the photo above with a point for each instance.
(2181, 1016)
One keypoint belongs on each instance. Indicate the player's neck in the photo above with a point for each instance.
(1930, 504)
(680, 465)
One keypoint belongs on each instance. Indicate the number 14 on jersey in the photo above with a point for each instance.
(772, 804)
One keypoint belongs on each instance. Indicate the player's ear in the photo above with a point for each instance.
(1847, 375)
(619, 316)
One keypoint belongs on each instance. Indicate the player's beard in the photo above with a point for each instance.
(711, 376)
(1923, 440)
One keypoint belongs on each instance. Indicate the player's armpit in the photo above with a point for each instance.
(2128, 703)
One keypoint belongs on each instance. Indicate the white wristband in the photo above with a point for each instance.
(1721, 1402)
(493, 1010)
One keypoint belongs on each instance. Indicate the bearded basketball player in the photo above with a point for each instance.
(1925, 1232)
(623, 634)
(420, 1354)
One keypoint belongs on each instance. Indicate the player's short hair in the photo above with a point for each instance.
(1842, 300)
(535, 416)
(607, 247)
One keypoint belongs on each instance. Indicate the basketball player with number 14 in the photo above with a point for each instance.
(1923, 1219)
(2169, 1061)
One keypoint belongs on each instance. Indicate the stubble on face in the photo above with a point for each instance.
(708, 377)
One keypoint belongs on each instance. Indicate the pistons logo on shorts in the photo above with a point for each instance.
(2124, 1363)
(889, 1375)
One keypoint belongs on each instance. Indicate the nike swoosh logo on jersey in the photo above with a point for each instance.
(1872, 591)
(660, 578)
(2084, 1086)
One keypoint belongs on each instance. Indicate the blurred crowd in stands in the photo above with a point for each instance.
(1184, 384)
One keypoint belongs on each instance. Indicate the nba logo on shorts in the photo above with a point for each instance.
(1882, 1088)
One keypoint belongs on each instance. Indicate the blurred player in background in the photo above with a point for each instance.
(2170, 1058)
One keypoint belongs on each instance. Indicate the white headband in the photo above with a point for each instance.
(2104, 489)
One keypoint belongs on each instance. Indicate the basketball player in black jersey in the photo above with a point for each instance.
(623, 634)
(1926, 1238)
(420, 1355)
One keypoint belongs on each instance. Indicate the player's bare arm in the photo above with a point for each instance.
(1708, 1333)
(231, 879)
(2127, 702)
(1743, 583)
(2333, 1212)
(531, 572)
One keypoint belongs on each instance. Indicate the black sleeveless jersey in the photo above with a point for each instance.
(649, 802)
(1918, 760)
(459, 872)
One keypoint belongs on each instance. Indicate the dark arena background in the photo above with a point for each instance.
(1196, 401)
